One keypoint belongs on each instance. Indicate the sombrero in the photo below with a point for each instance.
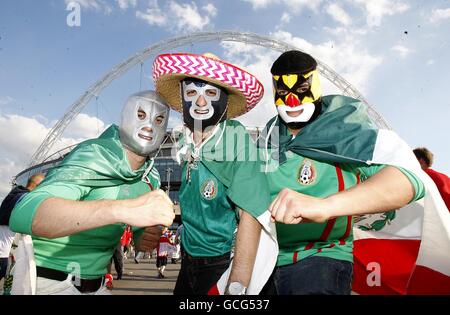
(244, 89)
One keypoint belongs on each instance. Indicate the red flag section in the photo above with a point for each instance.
(384, 266)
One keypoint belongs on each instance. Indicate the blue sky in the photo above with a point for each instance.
(394, 52)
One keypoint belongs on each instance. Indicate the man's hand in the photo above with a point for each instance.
(150, 209)
(149, 239)
(291, 207)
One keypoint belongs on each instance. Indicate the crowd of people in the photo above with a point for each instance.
(271, 217)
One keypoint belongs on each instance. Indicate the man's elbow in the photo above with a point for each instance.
(39, 229)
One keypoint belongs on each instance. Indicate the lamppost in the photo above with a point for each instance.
(168, 171)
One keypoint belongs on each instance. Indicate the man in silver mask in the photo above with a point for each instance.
(99, 188)
(144, 123)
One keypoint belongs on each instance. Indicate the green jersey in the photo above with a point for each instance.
(97, 169)
(218, 178)
(333, 238)
(329, 155)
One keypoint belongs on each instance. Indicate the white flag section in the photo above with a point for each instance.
(24, 273)
(266, 258)
(412, 250)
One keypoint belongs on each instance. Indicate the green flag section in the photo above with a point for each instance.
(100, 162)
(343, 133)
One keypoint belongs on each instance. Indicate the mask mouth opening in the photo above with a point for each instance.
(295, 113)
(145, 135)
(201, 111)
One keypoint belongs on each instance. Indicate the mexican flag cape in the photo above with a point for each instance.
(405, 251)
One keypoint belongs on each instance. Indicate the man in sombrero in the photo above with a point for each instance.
(223, 186)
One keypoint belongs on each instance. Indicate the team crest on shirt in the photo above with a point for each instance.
(307, 172)
(208, 190)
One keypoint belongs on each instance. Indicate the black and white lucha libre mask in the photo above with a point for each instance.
(144, 123)
(204, 104)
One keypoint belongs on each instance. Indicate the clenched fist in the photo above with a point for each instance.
(150, 209)
(291, 207)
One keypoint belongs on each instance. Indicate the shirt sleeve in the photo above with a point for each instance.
(419, 188)
(23, 213)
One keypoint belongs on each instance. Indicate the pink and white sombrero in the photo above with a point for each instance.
(244, 89)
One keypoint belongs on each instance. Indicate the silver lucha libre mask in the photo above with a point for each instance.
(144, 123)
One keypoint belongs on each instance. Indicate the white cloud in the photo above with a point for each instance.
(347, 57)
(85, 126)
(402, 51)
(259, 4)
(153, 16)
(430, 62)
(29, 132)
(285, 18)
(125, 4)
(187, 16)
(439, 14)
(96, 5)
(295, 6)
(5, 100)
(184, 17)
(210, 9)
(338, 14)
(377, 9)
(8, 169)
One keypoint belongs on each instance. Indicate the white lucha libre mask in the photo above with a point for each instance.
(204, 104)
(144, 123)
(200, 109)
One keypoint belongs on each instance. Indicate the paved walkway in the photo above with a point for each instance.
(141, 279)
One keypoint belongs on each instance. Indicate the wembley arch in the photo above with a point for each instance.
(94, 90)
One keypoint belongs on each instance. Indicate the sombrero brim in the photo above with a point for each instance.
(245, 91)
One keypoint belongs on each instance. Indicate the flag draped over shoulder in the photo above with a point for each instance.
(409, 248)
(100, 162)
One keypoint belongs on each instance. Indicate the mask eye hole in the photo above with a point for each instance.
(303, 88)
(191, 93)
(141, 114)
(211, 92)
(282, 92)
(159, 120)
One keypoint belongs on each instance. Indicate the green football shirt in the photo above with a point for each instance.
(96, 169)
(225, 176)
(334, 238)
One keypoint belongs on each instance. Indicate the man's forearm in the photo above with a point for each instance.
(247, 241)
(387, 190)
(57, 217)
